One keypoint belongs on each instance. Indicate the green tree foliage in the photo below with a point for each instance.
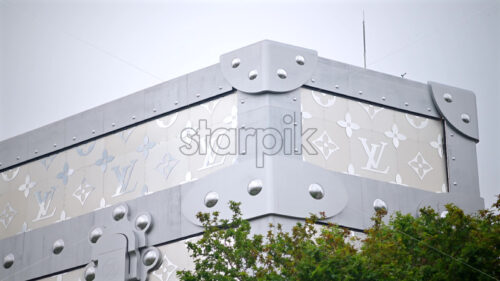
(457, 246)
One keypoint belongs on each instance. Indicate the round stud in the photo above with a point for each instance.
(453, 158)
(89, 273)
(252, 74)
(407, 104)
(36, 151)
(197, 95)
(176, 102)
(383, 98)
(133, 117)
(455, 183)
(313, 80)
(150, 258)
(379, 204)
(281, 73)
(18, 158)
(142, 222)
(465, 118)
(119, 212)
(429, 109)
(93, 132)
(316, 191)
(113, 124)
(8, 260)
(74, 138)
(443, 214)
(447, 97)
(254, 187)
(242, 101)
(55, 145)
(336, 86)
(211, 199)
(95, 234)
(360, 92)
(299, 60)
(154, 109)
(294, 99)
(58, 247)
(235, 62)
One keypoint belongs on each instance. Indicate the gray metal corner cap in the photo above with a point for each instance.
(268, 66)
(458, 108)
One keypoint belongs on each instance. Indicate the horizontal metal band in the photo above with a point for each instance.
(113, 116)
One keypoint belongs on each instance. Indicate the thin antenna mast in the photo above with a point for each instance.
(364, 40)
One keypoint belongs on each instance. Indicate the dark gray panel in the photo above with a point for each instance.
(84, 126)
(123, 112)
(374, 87)
(46, 139)
(13, 151)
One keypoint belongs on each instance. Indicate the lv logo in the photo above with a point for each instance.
(123, 176)
(374, 153)
(44, 201)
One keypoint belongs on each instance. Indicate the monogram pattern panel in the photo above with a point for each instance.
(374, 142)
(116, 168)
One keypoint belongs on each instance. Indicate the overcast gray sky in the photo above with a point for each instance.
(58, 58)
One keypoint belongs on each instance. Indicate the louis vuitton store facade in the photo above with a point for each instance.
(112, 193)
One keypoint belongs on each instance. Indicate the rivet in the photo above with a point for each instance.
(211, 199)
(0, 164)
(93, 132)
(74, 138)
(336, 86)
(58, 247)
(454, 183)
(36, 151)
(243, 126)
(281, 73)
(295, 123)
(154, 109)
(176, 102)
(242, 101)
(113, 124)
(220, 87)
(150, 258)
(313, 80)
(360, 92)
(197, 95)
(465, 118)
(443, 214)
(252, 74)
(447, 97)
(406, 104)
(244, 152)
(133, 117)
(452, 134)
(299, 60)
(119, 212)
(379, 204)
(54, 145)
(254, 187)
(294, 99)
(316, 191)
(89, 273)
(453, 158)
(95, 234)
(142, 222)
(428, 109)
(235, 62)
(17, 158)
(296, 149)
(8, 260)
(383, 98)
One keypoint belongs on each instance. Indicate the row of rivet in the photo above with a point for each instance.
(281, 73)
(361, 93)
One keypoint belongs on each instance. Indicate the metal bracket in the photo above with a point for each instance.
(458, 107)
(268, 66)
(120, 251)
